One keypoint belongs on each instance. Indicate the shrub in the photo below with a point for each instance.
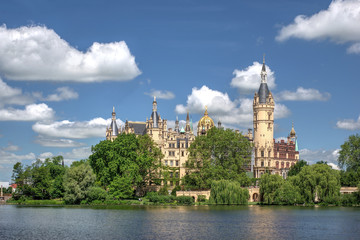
(157, 198)
(173, 192)
(201, 198)
(164, 191)
(96, 193)
(185, 200)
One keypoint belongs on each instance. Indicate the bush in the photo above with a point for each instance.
(201, 198)
(157, 198)
(164, 191)
(96, 194)
(177, 188)
(348, 199)
(185, 200)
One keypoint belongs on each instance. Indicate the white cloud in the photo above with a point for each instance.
(313, 156)
(302, 94)
(45, 155)
(11, 158)
(10, 95)
(56, 142)
(221, 107)
(355, 48)
(349, 124)
(32, 112)
(36, 53)
(11, 148)
(74, 130)
(247, 81)
(76, 154)
(161, 94)
(62, 93)
(338, 23)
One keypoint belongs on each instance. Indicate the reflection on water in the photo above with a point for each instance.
(181, 222)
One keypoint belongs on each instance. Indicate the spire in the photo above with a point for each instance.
(113, 114)
(206, 112)
(187, 127)
(154, 114)
(113, 125)
(263, 72)
(177, 124)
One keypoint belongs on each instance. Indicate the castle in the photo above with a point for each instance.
(269, 156)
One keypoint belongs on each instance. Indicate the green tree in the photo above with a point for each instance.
(317, 181)
(294, 170)
(269, 184)
(77, 181)
(288, 194)
(228, 192)
(349, 155)
(219, 155)
(127, 158)
(121, 187)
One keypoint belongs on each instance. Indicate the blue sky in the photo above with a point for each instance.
(65, 64)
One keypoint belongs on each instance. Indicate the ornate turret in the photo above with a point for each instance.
(292, 132)
(263, 89)
(205, 123)
(112, 131)
(177, 124)
(154, 114)
(187, 126)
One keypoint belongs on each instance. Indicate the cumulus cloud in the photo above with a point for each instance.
(247, 81)
(62, 93)
(76, 154)
(45, 155)
(10, 95)
(74, 130)
(11, 148)
(161, 94)
(56, 142)
(349, 124)
(302, 94)
(313, 156)
(221, 107)
(32, 112)
(337, 23)
(36, 53)
(11, 158)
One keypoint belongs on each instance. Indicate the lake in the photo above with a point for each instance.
(179, 222)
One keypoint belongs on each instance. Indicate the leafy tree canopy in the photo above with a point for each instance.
(294, 170)
(349, 155)
(219, 155)
(129, 160)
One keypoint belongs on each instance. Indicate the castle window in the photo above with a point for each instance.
(177, 163)
(171, 183)
(166, 162)
(182, 145)
(176, 174)
(182, 153)
(169, 145)
(262, 164)
(269, 153)
(269, 164)
(287, 165)
(282, 164)
(171, 164)
(277, 165)
(262, 154)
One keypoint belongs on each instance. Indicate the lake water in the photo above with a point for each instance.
(180, 222)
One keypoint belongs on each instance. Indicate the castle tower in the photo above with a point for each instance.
(263, 107)
(177, 124)
(112, 131)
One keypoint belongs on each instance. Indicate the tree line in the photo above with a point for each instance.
(126, 167)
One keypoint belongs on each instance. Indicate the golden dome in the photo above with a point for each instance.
(205, 122)
(292, 132)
